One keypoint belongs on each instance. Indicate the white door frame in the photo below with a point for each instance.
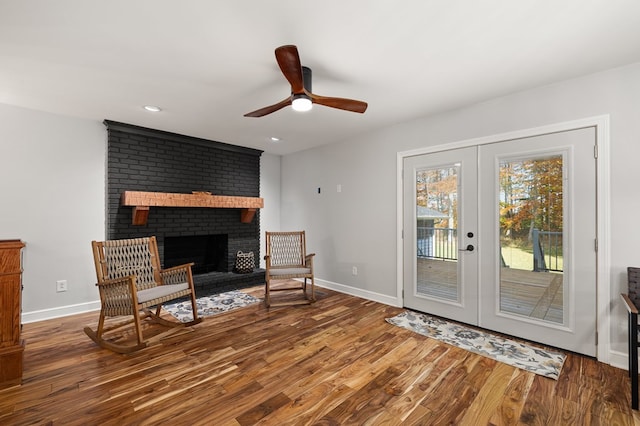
(603, 202)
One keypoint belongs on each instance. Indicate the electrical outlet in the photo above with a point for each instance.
(61, 285)
(354, 270)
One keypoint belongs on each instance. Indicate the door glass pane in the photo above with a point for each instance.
(436, 232)
(531, 227)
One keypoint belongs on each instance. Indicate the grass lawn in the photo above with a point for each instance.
(519, 258)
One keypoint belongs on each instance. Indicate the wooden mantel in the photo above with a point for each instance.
(141, 201)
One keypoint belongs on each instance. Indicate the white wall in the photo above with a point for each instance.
(52, 196)
(356, 227)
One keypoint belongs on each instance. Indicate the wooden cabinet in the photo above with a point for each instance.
(11, 346)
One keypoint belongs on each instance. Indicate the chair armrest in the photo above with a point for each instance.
(176, 274)
(118, 291)
(631, 308)
(308, 260)
(124, 282)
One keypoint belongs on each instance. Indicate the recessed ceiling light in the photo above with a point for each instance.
(152, 108)
(274, 139)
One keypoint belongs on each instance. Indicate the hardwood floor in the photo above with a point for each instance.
(333, 363)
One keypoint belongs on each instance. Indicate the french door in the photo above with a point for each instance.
(503, 236)
(441, 223)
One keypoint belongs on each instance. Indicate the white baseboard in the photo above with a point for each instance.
(61, 311)
(353, 291)
(619, 359)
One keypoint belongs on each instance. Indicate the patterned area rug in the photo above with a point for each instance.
(210, 305)
(516, 354)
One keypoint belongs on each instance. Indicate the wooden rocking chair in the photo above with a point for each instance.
(286, 259)
(131, 282)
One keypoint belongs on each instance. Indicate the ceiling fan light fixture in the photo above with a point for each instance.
(301, 102)
(302, 98)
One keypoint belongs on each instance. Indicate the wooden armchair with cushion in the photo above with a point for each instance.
(287, 259)
(132, 284)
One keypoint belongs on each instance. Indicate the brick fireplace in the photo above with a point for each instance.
(143, 159)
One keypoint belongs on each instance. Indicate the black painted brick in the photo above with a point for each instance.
(145, 163)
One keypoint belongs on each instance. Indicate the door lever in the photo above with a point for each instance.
(469, 248)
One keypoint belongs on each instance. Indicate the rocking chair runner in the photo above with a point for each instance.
(131, 282)
(286, 259)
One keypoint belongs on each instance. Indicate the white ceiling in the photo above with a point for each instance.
(207, 62)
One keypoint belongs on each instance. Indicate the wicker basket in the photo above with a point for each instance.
(245, 262)
(633, 276)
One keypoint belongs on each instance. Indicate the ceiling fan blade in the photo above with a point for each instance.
(339, 103)
(269, 109)
(289, 62)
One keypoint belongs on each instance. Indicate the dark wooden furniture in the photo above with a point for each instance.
(631, 302)
(11, 345)
(633, 349)
(132, 285)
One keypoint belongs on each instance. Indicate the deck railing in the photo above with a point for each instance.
(547, 251)
(437, 243)
(442, 243)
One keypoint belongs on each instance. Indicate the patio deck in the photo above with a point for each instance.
(527, 293)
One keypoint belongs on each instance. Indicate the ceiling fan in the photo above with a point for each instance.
(302, 98)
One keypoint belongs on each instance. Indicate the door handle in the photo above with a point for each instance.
(469, 248)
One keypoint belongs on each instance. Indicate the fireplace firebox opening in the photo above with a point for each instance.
(208, 252)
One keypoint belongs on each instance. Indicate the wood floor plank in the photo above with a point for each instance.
(365, 404)
(334, 362)
(262, 409)
(510, 408)
(537, 410)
